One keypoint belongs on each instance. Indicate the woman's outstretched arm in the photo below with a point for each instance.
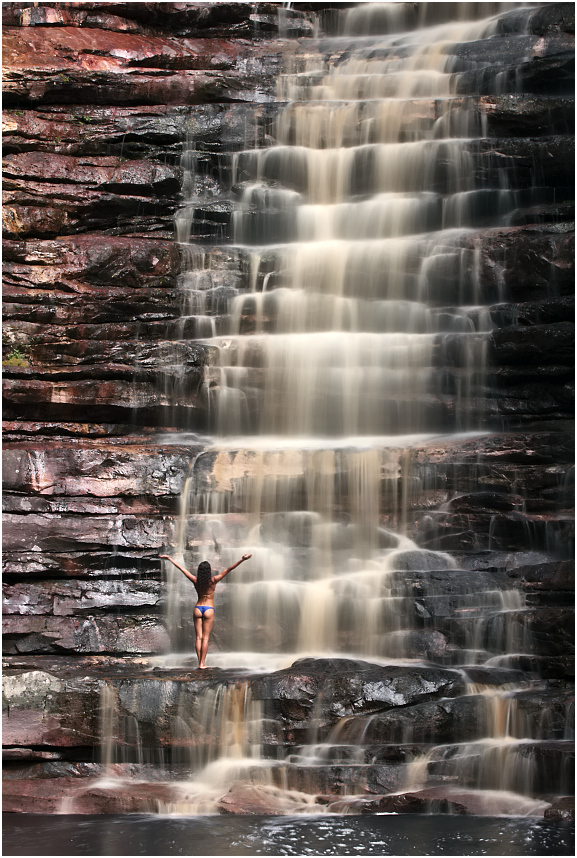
(221, 575)
(178, 566)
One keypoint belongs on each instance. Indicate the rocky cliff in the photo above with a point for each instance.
(101, 371)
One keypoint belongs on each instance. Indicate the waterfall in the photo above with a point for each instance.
(358, 337)
(358, 226)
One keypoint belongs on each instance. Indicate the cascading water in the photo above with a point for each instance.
(362, 260)
(360, 337)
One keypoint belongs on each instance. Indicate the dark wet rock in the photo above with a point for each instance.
(106, 359)
(38, 796)
(552, 18)
(101, 399)
(465, 719)
(51, 469)
(41, 708)
(90, 506)
(516, 47)
(70, 598)
(426, 560)
(21, 332)
(63, 65)
(97, 289)
(360, 687)
(77, 176)
(155, 701)
(151, 132)
(484, 530)
(447, 582)
(484, 803)
(17, 431)
(551, 630)
(84, 194)
(59, 533)
(411, 803)
(47, 764)
(532, 263)
(531, 161)
(336, 780)
(427, 645)
(540, 75)
(555, 575)
(562, 810)
(96, 260)
(543, 213)
(485, 501)
(14, 756)
(534, 344)
(519, 115)
(224, 20)
(491, 676)
(528, 401)
(533, 768)
(70, 667)
(515, 447)
(78, 564)
(548, 18)
(553, 766)
(133, 634)
(534, 312)
(436, 722)
(49, 14)
(541, 631)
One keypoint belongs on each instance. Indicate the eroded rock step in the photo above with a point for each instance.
(90, 598)
(424, 706)
(38, 316)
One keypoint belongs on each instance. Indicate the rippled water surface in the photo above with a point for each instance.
(31, 834)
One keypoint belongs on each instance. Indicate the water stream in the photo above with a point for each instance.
(360, 227)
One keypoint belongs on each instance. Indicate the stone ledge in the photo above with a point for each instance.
(69, 532)
(80, 598)
(220, 20)
(101, 564)
(135, 634)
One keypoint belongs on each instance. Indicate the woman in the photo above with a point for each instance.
(205, 585)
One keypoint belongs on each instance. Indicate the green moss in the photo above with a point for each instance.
(14, 361)
(17, 356)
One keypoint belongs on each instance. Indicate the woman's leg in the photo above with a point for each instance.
(198, 632)
(207, 624)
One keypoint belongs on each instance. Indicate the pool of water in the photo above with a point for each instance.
(383, 834)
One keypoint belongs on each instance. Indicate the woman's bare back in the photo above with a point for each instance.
(207, 596)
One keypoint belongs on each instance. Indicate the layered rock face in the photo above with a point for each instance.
(92, 183)
(107, 407)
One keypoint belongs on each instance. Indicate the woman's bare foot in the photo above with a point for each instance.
(203, 667)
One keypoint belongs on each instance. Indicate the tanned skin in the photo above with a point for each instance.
(204, 620)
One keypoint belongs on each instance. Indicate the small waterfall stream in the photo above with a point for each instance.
(361, 337)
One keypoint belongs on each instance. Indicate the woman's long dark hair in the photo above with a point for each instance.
(203, 577)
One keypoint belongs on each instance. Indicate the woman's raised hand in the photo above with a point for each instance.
(246, 556)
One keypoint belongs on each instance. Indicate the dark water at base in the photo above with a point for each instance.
(31, 834)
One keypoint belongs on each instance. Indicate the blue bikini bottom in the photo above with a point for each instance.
(204, 608)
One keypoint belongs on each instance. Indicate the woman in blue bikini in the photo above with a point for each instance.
(205, 585)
